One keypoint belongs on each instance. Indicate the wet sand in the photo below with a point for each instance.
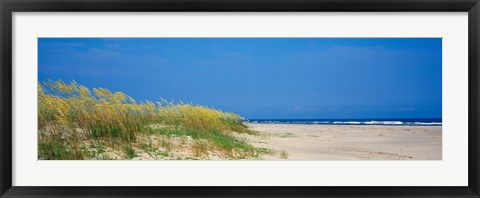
(359, 142)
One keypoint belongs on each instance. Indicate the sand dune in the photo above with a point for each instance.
(333, 142)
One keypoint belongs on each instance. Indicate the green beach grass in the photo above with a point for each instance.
(77, 123)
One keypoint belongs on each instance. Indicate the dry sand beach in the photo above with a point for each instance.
(348, 142)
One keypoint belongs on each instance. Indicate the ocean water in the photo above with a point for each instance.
(398, 122)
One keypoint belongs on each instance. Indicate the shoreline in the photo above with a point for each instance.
(348, 122)
(347, 142)
(323, 124)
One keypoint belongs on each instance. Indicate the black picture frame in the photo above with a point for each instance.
(7, 7)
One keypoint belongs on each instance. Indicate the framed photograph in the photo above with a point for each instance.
(162, 98)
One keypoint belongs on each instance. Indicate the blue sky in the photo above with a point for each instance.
(261, 78)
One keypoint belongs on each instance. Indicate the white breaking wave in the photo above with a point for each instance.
(349, 122)
(427, 123)
(371, 122)
(322, 122)
(384, 122)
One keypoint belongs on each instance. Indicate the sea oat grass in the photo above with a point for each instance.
(129, 152)
(284, 155)
(70, 114)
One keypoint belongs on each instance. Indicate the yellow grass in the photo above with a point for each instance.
(116, 118)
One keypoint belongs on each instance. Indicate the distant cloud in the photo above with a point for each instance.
(115, 47)
(236, 55)
(297, 108)
(72, 44)
(308, 109)
(105, 53)
(349, 49)
(399, 109)
(407, 109)
(229, 58)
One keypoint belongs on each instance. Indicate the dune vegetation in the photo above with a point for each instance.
(75, 122)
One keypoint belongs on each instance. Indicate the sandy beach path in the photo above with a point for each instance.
(359, 142)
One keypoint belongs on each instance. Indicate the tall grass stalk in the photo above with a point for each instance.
(116, 118)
